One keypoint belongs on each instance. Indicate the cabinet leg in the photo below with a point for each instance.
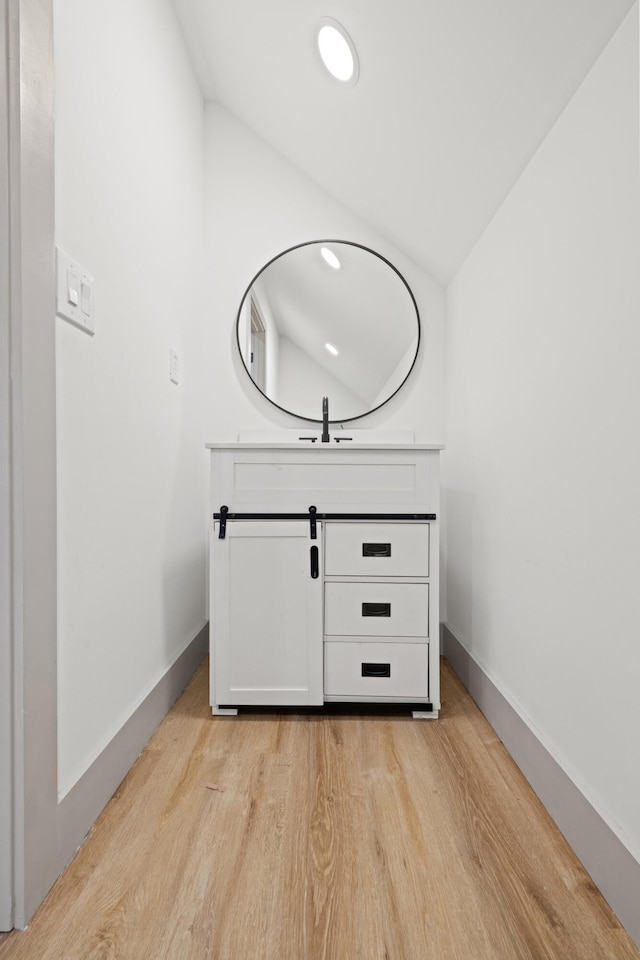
(424, 714)
(224, 711)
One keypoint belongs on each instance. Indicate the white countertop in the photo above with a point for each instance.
(324, 447)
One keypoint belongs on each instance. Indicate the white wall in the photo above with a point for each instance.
(303, 383)
(398, 375)
(542, 460)
(259, 205)
(131, 459)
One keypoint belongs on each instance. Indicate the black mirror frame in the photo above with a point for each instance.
(309, 243)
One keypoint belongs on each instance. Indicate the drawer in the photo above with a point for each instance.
(377, 549)
(376, 670)
(376, 609)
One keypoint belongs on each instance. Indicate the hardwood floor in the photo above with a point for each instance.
(344, 836)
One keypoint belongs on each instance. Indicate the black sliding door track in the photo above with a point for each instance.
(312, 515)
(325, 516)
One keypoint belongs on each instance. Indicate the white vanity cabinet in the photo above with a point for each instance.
(336, 603)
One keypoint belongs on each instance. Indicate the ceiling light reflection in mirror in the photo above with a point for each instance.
(305, 330)
(329, 257)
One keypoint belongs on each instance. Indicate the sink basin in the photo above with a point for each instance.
(304, 436)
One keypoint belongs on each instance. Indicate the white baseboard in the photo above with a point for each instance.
(613, 869)
(79, 809)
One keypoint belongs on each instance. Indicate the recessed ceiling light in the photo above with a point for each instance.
(329, 257)
(330, 347)
(337, 51)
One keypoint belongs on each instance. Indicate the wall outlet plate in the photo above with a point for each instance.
(75, 295)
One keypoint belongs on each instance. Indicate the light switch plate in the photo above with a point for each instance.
(75, 295)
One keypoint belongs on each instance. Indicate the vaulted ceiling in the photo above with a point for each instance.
(454, 97)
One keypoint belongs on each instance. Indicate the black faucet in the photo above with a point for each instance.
(325, 420)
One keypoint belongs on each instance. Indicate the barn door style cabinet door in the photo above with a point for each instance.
(324, 576)
(268, 614)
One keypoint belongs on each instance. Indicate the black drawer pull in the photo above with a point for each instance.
(376, 549)
(376, 609)
(376, 669)
(315, 566)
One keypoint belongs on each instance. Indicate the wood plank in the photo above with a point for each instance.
(346, 834)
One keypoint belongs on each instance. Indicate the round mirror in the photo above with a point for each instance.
(331, 319)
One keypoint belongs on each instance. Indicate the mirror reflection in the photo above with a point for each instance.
(328, 318)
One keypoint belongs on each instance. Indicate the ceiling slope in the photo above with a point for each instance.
(453, 99)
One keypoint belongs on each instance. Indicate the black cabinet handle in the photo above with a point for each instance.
(376, 669)
(376, 549)
(315, 566)
(376, 609)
